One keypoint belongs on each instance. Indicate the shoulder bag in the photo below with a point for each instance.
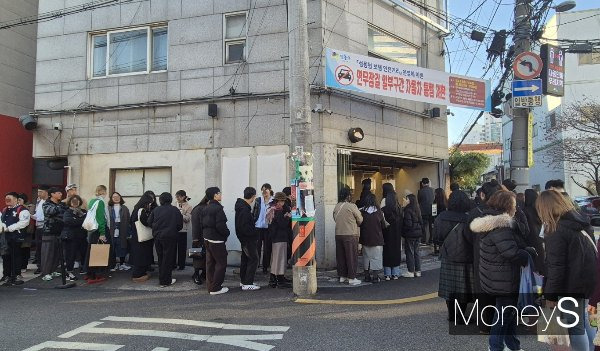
(143, 233)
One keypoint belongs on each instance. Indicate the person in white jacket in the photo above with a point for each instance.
(15, 220)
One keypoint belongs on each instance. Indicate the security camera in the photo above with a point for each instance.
(28, 122)
(57, 126)
(319, 109)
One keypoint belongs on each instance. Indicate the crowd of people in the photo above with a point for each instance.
(55, 227)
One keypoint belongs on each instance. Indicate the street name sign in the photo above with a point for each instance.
(527, 93)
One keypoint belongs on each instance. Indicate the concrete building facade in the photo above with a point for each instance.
(582, 82)
(131, 85)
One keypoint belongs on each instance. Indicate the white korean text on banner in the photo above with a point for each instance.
(370, 75)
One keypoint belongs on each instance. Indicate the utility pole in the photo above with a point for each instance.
(519, 164)
(303, 223)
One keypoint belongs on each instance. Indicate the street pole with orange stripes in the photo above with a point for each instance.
(303, 220)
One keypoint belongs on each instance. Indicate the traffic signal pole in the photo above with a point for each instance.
(519, 148)
(303, 222)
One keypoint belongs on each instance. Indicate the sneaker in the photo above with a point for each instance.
(222, 291)
(343, 279)
(10, 282)
(4, 278)
(96, 281)
(172, 282)
(250, 287)
(395, 277)
(354, 282)
(387, 278)
(47, 277)
(125, 267)
(56, 274)
(71, 276)
(408, 275)
(117, 267)
(417, 274)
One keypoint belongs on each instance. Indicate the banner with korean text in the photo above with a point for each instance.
(370, 75)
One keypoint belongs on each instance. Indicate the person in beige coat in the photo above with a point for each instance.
(347, 218)
(186, 212)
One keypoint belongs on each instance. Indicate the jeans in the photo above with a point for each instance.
(391, 271)
(249, 262)
(581, 335)
(413, 260)
(504, 328)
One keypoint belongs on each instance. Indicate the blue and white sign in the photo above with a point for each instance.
(527, 93)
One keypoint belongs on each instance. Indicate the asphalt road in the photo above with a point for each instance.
(96, 318)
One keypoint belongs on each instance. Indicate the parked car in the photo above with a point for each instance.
(586, 203)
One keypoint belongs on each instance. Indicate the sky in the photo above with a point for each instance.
(465, 58)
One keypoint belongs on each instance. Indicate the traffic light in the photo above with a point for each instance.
(497, 97)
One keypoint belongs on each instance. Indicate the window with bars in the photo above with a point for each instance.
(234, 37)
(129, 51)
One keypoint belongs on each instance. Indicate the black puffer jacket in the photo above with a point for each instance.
(458, 247)
(411, 227)
(500, 255)
(166, 222)
(244, 222)
(280, 228)
(73, 220)
(570, 259)
(214, 222)
(53, 218)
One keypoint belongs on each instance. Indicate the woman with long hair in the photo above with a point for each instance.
(347, 218)
(142, 253)
(502, 253)
(412, 225)
(199, 263)
(535, 226)
(371, 238)
(392, 235)
(440, 200)
(570, 264)
(457, 282)
(119, 229)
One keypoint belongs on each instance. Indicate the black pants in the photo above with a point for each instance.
(167, 250)
(216, 263)
(25, 256)
(74, 248)
(427, 229)
(249, 262)
(264, 242)
(181, 249)
(11, 262)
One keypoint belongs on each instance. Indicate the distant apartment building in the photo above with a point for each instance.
(487, 131)
(131, 85)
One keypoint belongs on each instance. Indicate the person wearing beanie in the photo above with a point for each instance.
(279, 217)
(186, 211)
(215, 233)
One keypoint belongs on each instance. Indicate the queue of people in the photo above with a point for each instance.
(485, 248)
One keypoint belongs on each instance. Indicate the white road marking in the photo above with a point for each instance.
(160, 349)
(245, 341)
(193, 323)
(74, 346)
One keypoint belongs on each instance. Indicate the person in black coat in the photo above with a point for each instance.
(366, 191)
(571, 263)
(392, 235)
(412, 227)
(198, 242)
(425, 196)
(502, 254)
(248, 237)
(535, 226)
(279, 217)
(457, 282)
(166, 222)
(142, 253)
(215, 233)
(74, 237)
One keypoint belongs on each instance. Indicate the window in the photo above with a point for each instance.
(129, 51)
(592, 58)
(132, 183)
(551, 121)
(387, 47)
(234, 37)
(535, 130)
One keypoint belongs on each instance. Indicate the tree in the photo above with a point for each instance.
(466, 168)
(574, 143)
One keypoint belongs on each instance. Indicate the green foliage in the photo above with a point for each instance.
(466, 168)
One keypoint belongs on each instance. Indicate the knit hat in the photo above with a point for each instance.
(211, 192)
(71, 186)
(54, 190)
(279, 196)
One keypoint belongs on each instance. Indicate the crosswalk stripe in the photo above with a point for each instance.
(203, 324)
(74, 346)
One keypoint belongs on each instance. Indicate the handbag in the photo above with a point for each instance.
(90, 223)
(197, 253)
(143, 233)
(99, 254)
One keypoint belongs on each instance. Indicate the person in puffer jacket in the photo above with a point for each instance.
(501, 256)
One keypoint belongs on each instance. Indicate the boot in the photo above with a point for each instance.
(367, 276)
(375, 278)
(285, 280)
(283, 283)
(273, 281)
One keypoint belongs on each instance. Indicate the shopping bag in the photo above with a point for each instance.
(143, 233)
(90, 223)
(528, 290)
(552, 333)
(99, 255)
